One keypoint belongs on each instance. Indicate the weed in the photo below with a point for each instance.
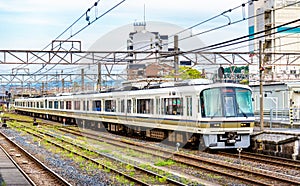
(167, 162)
(162, 179)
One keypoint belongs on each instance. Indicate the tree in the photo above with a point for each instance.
(186, 73)
(189, 73)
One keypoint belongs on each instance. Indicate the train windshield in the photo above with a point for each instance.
(226, 102)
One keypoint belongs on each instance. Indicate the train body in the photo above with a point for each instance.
(216, 116)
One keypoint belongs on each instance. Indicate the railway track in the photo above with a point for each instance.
(283, 163)
(236, 171)
(130, 171)
(34, 170)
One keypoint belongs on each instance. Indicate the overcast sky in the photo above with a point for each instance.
(32, 24)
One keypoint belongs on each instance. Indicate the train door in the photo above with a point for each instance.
(189, 108)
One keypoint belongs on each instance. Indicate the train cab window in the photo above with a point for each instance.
(145, 106)
(211, 103)
(229, 106)
(96, 105)
(244, 102)
(226, 102)
(173, 106)
(110, 105)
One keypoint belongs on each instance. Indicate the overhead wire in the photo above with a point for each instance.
(202, 33)
(84, 27)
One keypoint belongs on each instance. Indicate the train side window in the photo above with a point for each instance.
(68, 105)
(97, 105)
(129, 106)
(110, 105)
(76, 105)
(50, 104)
(173, 106)
(189, 106)
(86, 106)
(122, 105)
(134, 105)
(61, 105)
(157, 105)
(56, 104)
(145, 106)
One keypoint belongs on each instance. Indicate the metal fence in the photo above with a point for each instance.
(286, 118)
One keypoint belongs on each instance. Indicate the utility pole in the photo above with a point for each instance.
(99, 77)
(261, 100)
(82, 79)
(176, 57)
(62, 85)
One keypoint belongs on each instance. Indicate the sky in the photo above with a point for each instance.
(33, 24)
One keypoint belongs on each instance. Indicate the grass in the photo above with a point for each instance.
(105, 151)
(167, 162)
(123, 180)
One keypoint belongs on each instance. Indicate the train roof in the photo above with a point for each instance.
(187, 86)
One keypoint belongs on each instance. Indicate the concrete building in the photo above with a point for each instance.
(269, 17)
(142, 40)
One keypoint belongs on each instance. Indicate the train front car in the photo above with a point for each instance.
(227, 117)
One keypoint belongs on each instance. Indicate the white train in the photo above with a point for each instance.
(217, 116)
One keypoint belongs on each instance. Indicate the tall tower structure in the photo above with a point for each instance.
(269, 14)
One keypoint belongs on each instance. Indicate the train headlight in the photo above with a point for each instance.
(215, 125)
(245, 124)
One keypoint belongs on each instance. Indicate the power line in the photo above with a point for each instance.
(84, 27)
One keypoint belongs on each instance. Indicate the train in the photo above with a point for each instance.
(201, 114)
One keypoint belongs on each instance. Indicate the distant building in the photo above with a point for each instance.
(270, 14)
(142, 40)
(151, 70)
